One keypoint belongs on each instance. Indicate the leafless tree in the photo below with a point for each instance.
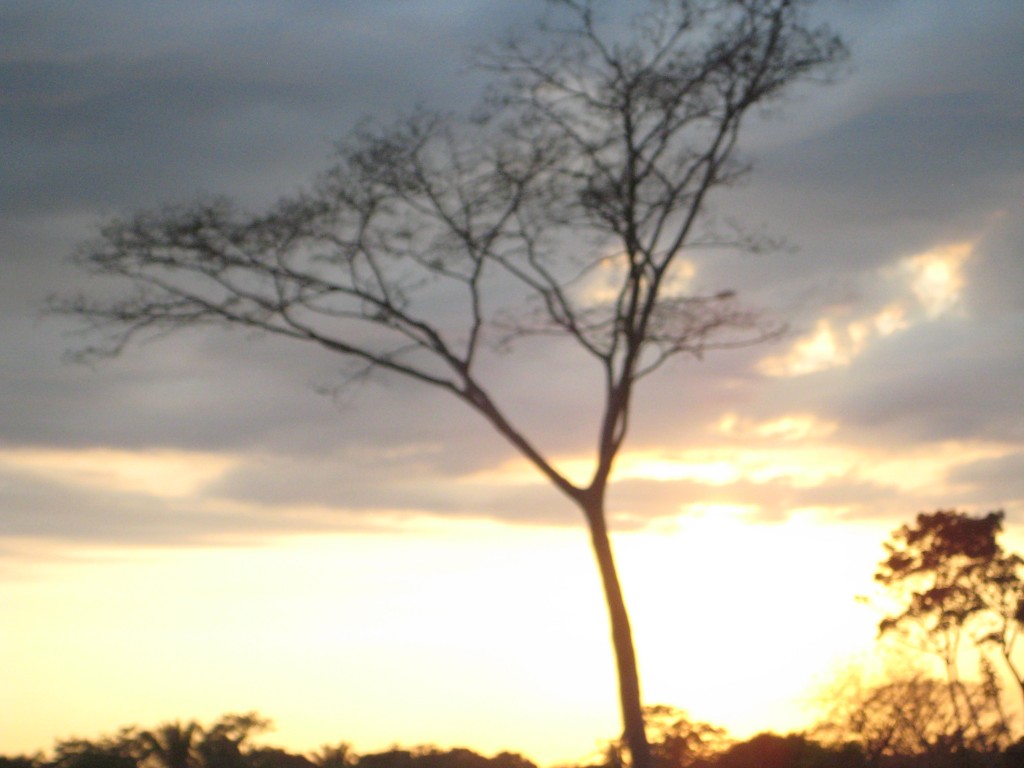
(433, 243)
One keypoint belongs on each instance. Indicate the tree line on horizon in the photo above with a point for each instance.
(676, 741)
(956, 598)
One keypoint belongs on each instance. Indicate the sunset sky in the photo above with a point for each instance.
(193, 528)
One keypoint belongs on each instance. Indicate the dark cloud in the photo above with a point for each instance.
(933, 383)
(915, 156)
(916, 145)
(108, 107)
(36, 509)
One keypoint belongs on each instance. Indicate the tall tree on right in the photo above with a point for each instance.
(955, 583)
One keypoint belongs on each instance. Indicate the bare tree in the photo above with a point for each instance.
(436, 242)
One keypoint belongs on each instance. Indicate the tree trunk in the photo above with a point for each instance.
(622, 639)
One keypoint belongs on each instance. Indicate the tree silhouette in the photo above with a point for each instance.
(120, 751)
(909, 713)
(225, 743)
(955, 582)
(770, 750)
(676, 741)
(172, 745)
(338, 755)
(679, 742)
(436, 242)
(432, 757)
(273, 757)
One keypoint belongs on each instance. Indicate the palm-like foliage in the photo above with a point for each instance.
(172, 745)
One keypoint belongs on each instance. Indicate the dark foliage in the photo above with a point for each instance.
(956, 585)
(676, 741)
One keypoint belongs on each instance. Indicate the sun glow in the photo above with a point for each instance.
(936, 276)
(750, 616)
(345, 637)
(733, 618)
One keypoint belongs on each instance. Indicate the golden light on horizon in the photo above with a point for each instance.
(751, 616)
(798, 450)
(453, 611)
(460, 609)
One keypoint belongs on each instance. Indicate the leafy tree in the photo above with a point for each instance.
(338, 755)
(511, 760)
(431, 757)
(225, 744)
(433, 243)
(770, 750)
(119, 751)
(273, 757)
(676, 740)
(172, 745)
(91, 757)
(954, 582)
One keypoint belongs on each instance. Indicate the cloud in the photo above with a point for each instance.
(936, 276)
(139, 105)
(930, 285)
(825, 348)
(898, 186)
(43, 509)
(995, 482)
(799, 426)
(114, 507)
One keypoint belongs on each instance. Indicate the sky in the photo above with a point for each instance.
(193, 528)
